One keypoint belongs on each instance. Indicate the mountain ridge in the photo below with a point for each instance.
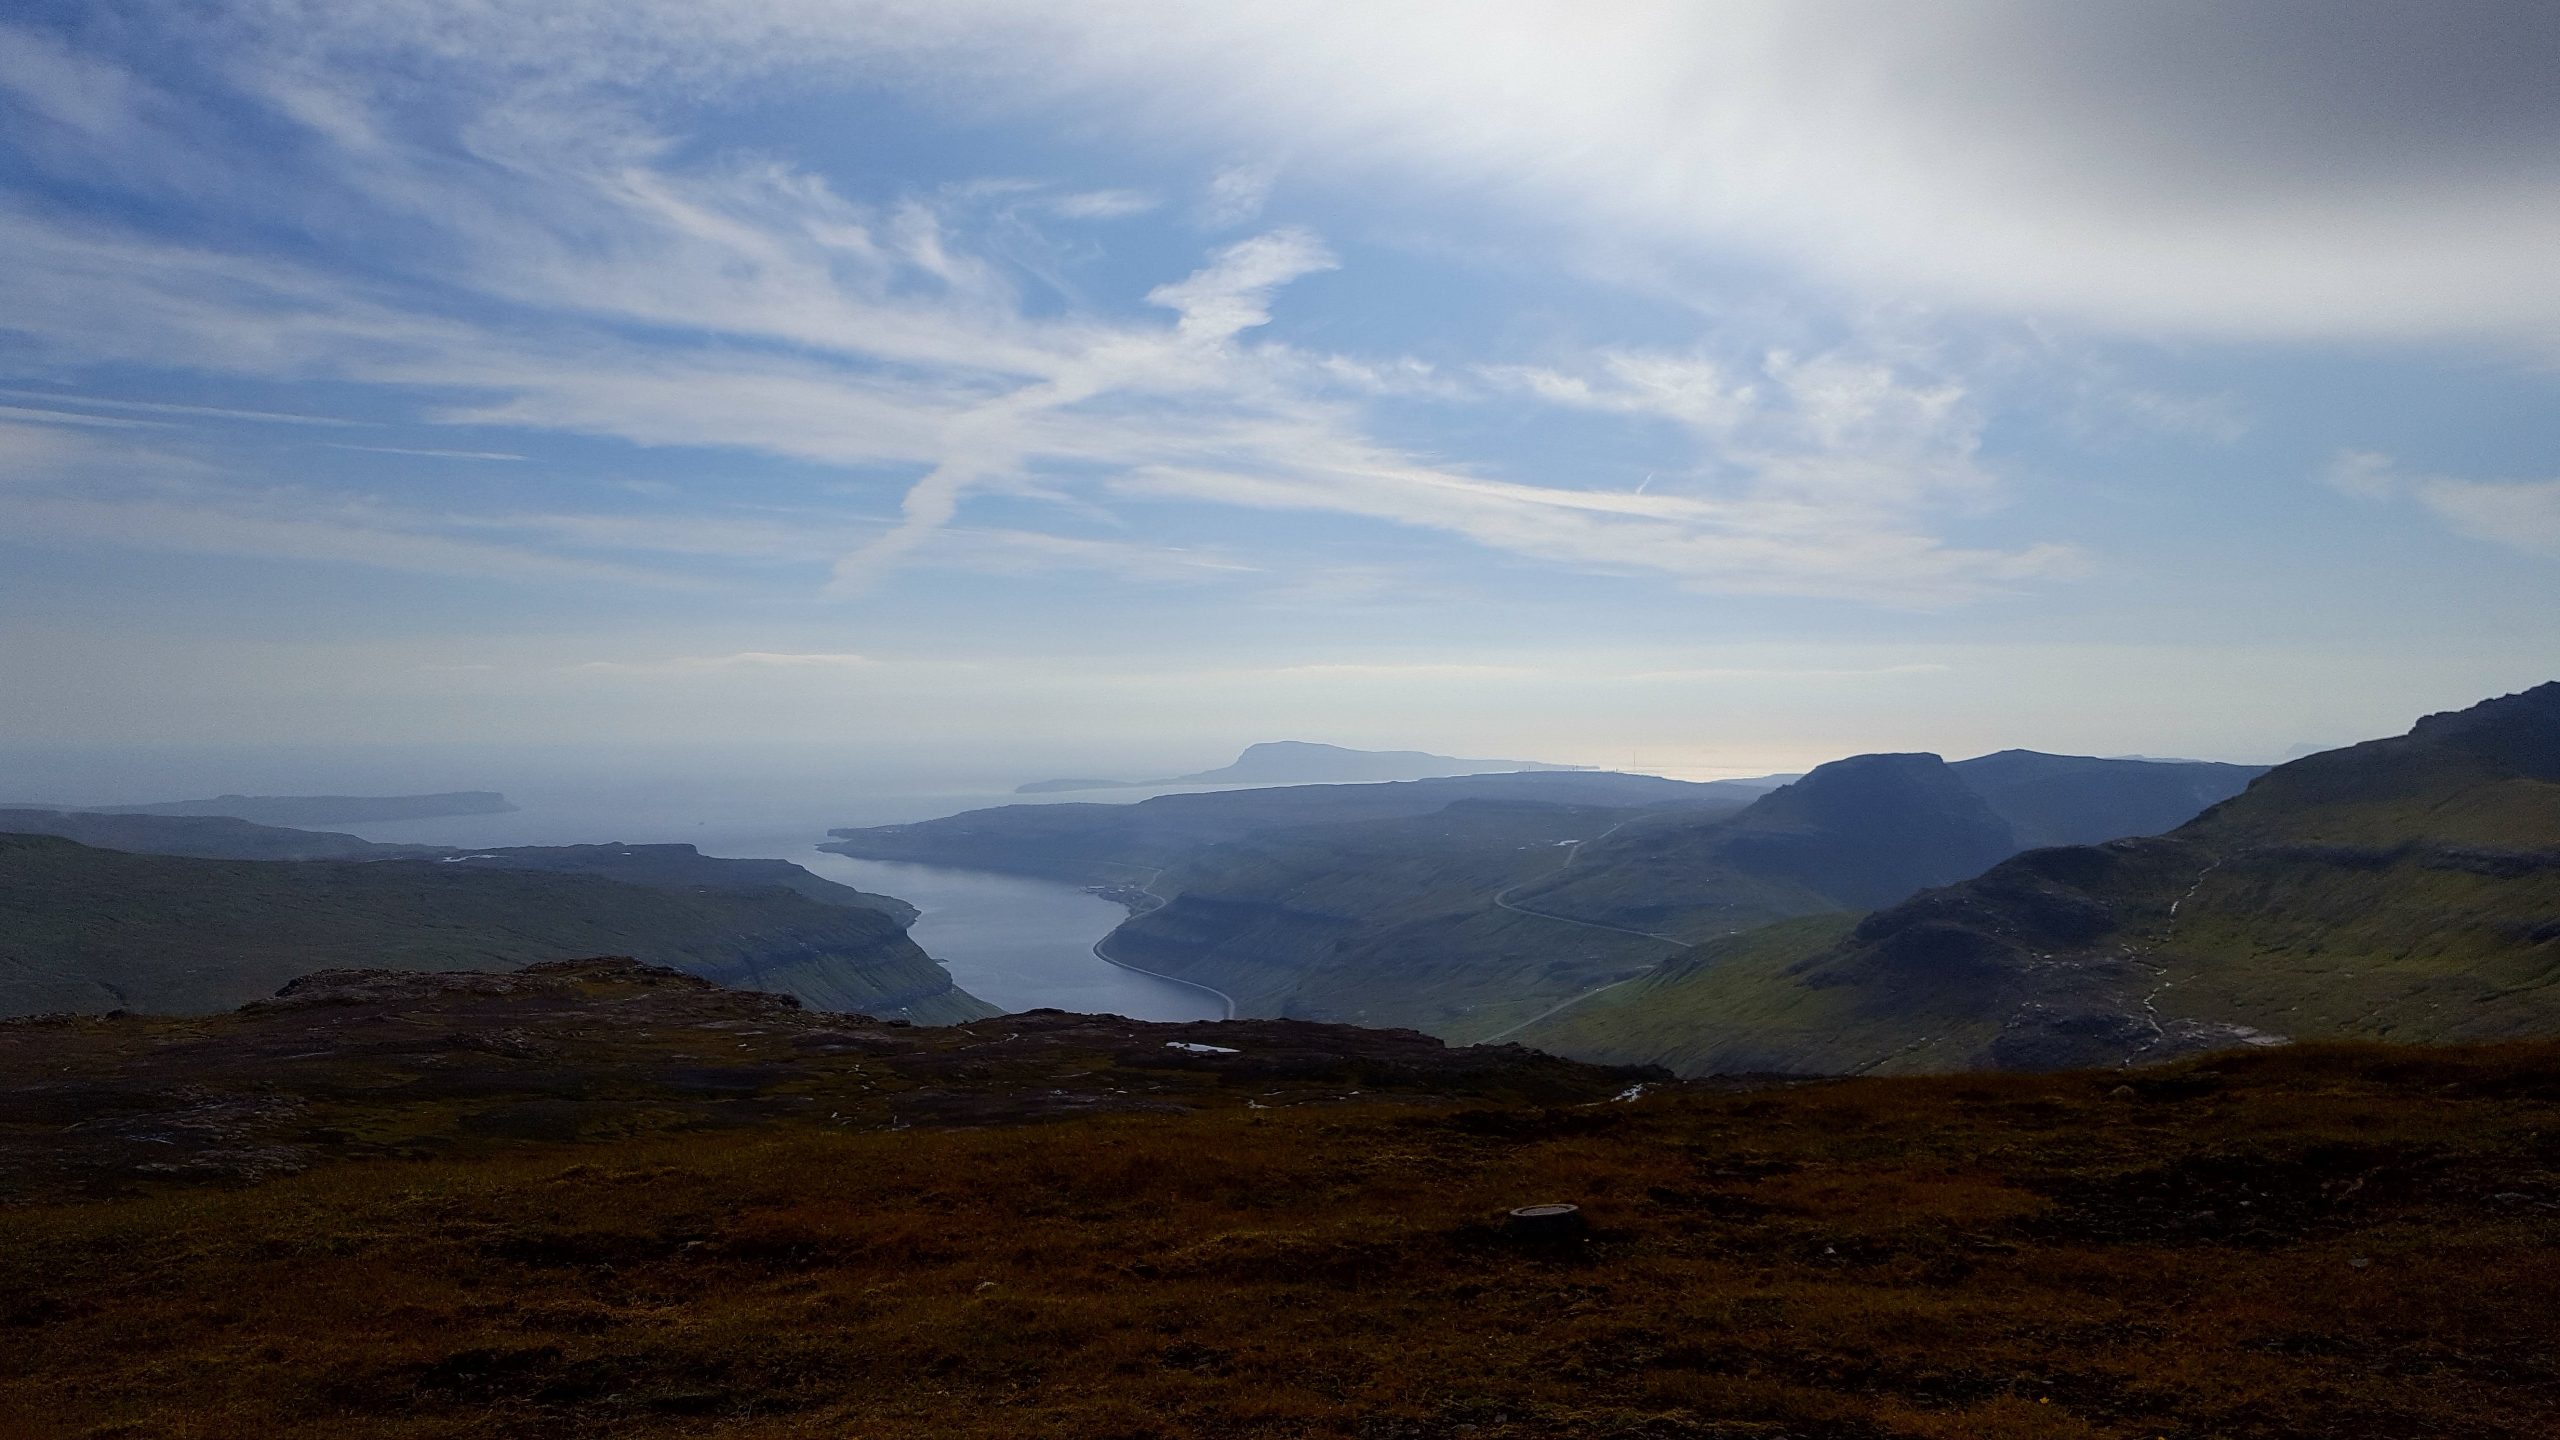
(292, 810)
(1474, 920)
(2405, 888)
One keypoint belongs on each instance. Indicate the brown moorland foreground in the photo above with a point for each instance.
(595, 1201)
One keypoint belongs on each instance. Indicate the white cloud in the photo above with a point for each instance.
(1233, 294)
(1022, 552)
(1236, 194)
(157, 407)
(37, 416)
(2363, 167)
(2517, 514)
(749, 660)
(430, 453)
(1690, 390)
(1103, 204)
(2365, 474)
(619, 289)
(176, 526)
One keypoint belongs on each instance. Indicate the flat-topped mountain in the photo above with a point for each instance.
(1868, 831)
(85, 929)
(1302, 762)
(2081, 800)
(325, 809)
(2406, 888)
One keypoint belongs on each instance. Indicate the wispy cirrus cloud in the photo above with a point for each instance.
(749, 660)
(2519, 515)
(572, 268)
(2358, 167)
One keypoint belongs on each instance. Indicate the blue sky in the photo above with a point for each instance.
(1724, 387)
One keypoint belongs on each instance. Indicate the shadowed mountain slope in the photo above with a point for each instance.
(1869, 831)
(1469, 907)
(2406, 888)
(2080, 800)
(680, 867)
(1097, 844)
(1850, 835)
(1387, 922)
(83, 929)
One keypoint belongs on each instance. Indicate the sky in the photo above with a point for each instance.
(1710, 388)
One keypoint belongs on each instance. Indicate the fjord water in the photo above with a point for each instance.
(1015, 942)
(1020, 943)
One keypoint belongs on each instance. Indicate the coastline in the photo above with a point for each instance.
(1105, 957)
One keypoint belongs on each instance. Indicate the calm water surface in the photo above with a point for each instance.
(1016, 943)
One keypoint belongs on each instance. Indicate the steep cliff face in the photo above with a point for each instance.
(89, 930)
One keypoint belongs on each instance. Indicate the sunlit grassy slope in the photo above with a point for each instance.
(2404, 889)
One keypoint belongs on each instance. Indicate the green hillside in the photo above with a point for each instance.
(1475, 921)
(1387, 923)
(2404, 889)
(85, 929)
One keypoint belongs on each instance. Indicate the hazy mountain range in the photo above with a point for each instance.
(1095, 843)
(1300, 762)
(313, 809)
(1885, 911)
(1466, 906)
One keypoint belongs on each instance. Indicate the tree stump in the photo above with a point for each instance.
(1546, 1224)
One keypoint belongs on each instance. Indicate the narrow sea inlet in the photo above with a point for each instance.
(1017, 942)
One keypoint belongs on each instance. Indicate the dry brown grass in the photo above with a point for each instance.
(1973, 1258)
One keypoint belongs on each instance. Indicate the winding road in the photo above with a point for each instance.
(1105, 956)
(1502, 899)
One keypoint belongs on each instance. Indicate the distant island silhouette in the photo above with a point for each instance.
(1302, 762)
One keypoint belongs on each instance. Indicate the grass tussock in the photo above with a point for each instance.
(2328, 1242)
